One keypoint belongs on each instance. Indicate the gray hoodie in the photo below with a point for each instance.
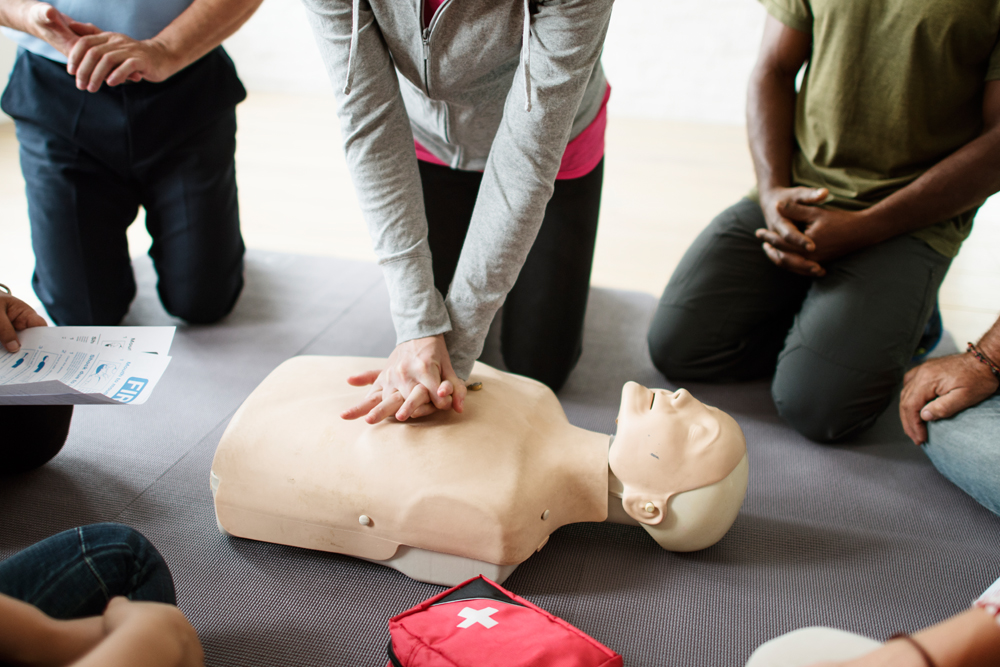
(479, 95)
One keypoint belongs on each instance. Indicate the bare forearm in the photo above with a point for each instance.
(138, 645)
(29, 637)
(970, 639)
(202, 27)
(770, 127)
(958, 183)
(14, 14)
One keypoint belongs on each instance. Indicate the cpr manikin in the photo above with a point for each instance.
(448, 496)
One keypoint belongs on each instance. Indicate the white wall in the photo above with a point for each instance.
(7, 52)
(682, 59)
(666, 59)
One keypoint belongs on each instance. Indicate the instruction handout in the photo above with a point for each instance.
(84, 365)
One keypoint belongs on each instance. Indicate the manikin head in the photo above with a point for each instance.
(678, 465)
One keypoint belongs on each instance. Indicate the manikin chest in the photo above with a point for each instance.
(488, 485)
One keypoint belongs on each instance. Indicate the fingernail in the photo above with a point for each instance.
(13, 346)
(926, 415)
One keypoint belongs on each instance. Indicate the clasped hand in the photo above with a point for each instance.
(95, 57)
(800, 235)
(417, 381)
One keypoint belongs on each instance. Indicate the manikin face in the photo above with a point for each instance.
(668, 443)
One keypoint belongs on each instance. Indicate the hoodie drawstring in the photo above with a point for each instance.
(353, 53)
(526, 55)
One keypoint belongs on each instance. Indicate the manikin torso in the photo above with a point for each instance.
(448, 496)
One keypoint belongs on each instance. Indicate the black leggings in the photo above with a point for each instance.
(541, 335)
(32, 435)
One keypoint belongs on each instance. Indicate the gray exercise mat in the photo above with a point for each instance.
(866, 537)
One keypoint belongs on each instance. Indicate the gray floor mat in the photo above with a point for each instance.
(866, 537)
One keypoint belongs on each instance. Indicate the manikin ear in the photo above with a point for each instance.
(644, 508)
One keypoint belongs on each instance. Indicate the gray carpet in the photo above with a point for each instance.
(866, 537)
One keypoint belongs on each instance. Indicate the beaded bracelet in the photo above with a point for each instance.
(915, 644)
(978, 354)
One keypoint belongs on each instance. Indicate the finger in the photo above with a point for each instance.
(428, 375)
(791, 234)
(127, 71)
(28, 319)
(424, 410)
(909, 417)
(419, 396)
(793, 262)
(362, 408)
(81, 29)
(948, 405)
(389, 405)
(809, 195)
(107, 64)
(798, 212)
(456, 391)
(87, 63)
(775, 240)
(8, 337)
(80, 51)
(363, 379)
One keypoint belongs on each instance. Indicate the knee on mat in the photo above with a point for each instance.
(673, 347)
(202, 304)
(142, 575)
(828, 403)
(34, 435)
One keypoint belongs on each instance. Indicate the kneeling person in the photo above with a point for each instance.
(868, 177)
(93, 150)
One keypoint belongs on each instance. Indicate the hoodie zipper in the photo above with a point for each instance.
(427, 50)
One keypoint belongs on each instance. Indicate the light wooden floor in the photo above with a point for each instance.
(664, 181)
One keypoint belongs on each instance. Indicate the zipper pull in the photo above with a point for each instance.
(427, 47)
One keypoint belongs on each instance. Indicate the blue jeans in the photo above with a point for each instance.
(966, 450)
(75, 573)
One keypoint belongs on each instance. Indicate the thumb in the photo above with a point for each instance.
(810, 195)
(946, 405)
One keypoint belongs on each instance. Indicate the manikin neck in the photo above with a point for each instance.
(585, 473)
(616, 512)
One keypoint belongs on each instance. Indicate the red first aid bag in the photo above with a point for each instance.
(480, 624)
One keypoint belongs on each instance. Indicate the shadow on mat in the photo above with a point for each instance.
(56, 497)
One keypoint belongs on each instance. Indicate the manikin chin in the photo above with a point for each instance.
(449, 496)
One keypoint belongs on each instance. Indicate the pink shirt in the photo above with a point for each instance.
(582, 153)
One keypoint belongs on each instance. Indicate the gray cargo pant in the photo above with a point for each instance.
(837, 346)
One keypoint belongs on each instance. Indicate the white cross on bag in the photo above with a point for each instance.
(481, 616)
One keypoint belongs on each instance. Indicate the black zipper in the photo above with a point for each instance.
(392, 656)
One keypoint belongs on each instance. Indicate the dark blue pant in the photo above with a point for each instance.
(837, 347)
(90, 160)
(75, 573)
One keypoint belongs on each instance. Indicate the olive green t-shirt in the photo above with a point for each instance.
(891, 88)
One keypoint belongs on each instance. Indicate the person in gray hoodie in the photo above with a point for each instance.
(492, 92)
